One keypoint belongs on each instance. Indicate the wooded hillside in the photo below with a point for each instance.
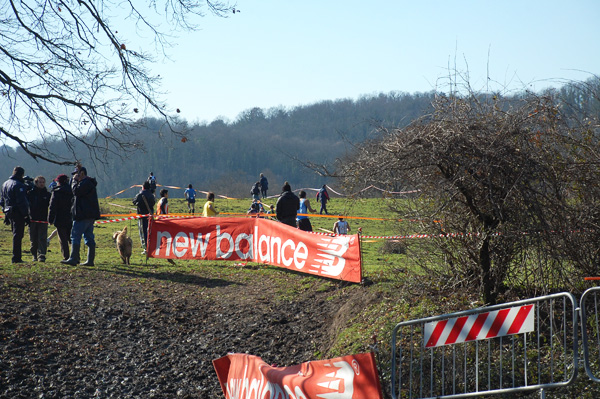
(227, 157)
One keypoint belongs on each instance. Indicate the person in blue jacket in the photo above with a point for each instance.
(15, 206)
(85, 211)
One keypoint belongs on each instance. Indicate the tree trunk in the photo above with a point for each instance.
(489, 292)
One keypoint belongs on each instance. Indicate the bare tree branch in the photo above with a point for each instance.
(67, 74)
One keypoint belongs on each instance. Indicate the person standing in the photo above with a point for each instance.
(144, 201)
(16, 209)
(302, 221)
(341, 226)
(39, 200)
(323, 197)
(59, 214)
(162, 208)
(255, 191)
(264, 185)
(85, 211)
(209, 207)
(152, 181)
(287, 206)
(190, 196)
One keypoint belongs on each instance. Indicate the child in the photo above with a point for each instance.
(341, 226)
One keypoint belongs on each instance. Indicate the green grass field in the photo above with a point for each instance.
(371, 215)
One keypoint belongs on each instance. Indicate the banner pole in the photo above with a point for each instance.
(362, 281)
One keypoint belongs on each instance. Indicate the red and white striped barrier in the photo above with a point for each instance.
(516, 320)
(120, 220)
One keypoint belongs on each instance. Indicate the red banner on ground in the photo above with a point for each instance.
(249, 377)
(256, 240)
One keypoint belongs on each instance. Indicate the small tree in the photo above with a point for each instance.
(67, 73)
(496, 184)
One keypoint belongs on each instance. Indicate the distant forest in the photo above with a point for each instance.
(227, 158)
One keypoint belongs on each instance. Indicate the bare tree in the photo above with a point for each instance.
(66, 73)
(502, 185)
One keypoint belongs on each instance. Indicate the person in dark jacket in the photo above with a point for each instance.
(287, 206)
(323, 197)
(39, 199)
(264, 186)
(144, 201)
(60, 213)
(85, 211)
(15, 206)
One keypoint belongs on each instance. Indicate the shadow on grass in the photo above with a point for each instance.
(175, 277)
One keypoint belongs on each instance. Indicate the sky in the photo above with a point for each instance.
(288, 53)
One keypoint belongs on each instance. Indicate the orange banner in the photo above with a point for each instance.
(256, 240)
(249, 377)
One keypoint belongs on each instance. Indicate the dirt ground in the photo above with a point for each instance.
(94, 333)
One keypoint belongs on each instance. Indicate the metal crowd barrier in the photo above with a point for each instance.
(590, 332)
(515, 347)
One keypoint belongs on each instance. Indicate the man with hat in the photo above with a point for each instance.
(287, 206)
(85, 211)
(15, 206)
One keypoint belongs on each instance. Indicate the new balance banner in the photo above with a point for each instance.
(249, 377)
(256, 240)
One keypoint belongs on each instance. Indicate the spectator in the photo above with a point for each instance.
(152, 181)
(39, 200)
(302, 221)
(144, 200)
(255, 191)
(162, 208)
(209, 208)
(52, 184)
(323, 197)
(60, 213)
(256, 208)
(264, 185)
(16, 209)
(85, 211)
(190, 196)
(287, 206)
(341, 226)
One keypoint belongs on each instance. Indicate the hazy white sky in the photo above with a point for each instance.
(291, 52)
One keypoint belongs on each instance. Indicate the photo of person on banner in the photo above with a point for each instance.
(244, 376)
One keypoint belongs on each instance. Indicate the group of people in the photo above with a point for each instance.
(259, 189)
(292, 210)
(145, 202)
(71, 206)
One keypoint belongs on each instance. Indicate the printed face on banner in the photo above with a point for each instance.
(257, 240)
(245, 376)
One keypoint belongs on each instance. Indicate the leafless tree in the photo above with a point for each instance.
(506, 188)
(67, 73)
